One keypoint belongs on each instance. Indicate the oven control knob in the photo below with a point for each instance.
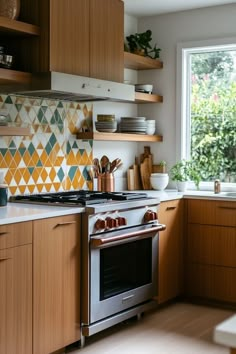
(150, 216)
(121, 221)
(100, 224)
(111, 222)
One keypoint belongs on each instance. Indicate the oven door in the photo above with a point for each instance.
(123, 266)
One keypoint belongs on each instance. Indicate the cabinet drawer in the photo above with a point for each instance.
(216, 283)
(211, 212)
(211, 245)
(12, 235)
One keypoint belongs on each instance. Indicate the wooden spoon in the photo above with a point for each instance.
(97, 165)
(104, 161)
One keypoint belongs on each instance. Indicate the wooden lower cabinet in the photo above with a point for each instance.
(210, 263)
(170, 272)
(16, 290)
(56, 278)
(211, 282)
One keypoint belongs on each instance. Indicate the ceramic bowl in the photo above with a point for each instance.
(144, 88)
(150, 130)
(159, 181)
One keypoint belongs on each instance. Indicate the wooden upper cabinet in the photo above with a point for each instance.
(86, 38)
(107, 40)
(69, 36)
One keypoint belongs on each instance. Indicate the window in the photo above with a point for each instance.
(207, 134)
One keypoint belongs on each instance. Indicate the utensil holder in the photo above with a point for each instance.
(106, 182)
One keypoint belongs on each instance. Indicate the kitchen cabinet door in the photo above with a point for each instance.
(86, 38)
(107, 40)
(170, 272)
(56, 277)
(69, 36)
(16, 300)
(210, 250)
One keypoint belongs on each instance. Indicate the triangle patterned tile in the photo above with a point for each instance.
(26, 175)
(48, 186)
(13, 190)
(22, 189)
(8, 177)
(8, 100)
(17, 176)
(52, 174)
(44, 175)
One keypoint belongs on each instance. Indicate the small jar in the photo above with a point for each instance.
(217, 186)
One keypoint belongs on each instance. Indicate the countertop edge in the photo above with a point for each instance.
(16, 212)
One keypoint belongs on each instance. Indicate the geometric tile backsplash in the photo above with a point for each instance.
(51, 158)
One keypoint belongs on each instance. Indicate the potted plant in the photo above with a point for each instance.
(139, 43)
(182, 172)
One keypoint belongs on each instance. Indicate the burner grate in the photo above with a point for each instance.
(80, 197)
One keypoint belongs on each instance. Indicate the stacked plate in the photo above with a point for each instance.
(135, 125)
(106, 123)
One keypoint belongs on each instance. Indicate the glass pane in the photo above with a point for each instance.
(125, 267)
(213, 114)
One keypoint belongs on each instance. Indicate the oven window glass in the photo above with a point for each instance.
(125, 267)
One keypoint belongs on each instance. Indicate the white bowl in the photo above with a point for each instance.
(159, 181)
(150, 130)
(147, 88)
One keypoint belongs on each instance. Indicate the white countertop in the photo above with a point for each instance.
(225, 332)
(16, 212)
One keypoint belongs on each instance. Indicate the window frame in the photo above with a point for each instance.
(183, 105)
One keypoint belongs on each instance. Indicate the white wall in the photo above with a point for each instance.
(201, 24)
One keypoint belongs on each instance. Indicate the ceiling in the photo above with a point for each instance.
(140, 8)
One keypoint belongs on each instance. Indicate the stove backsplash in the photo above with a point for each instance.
(51, 158)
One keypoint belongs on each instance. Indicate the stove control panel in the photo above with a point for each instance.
(120, 219)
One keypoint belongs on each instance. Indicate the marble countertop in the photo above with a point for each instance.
(16, 212)
(225, 332)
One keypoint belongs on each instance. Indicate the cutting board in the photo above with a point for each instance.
(133, 178)
(145, 172)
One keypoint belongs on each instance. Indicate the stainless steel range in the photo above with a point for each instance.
(120, 233)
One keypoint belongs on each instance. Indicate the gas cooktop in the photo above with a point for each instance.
(76, 198)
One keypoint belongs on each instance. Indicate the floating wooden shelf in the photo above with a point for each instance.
(147, 98)
(8, 76)
(8, 26)
(119, 137)
(14, 131)
(138, 62)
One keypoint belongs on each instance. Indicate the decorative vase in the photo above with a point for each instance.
(10, 9)
(182, 186)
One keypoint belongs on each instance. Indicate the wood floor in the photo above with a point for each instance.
(176, 329)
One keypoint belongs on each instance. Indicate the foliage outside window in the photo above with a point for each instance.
(213, 114)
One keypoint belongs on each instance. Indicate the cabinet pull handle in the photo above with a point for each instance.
(227, 207)
(4, 259)
(3, 233)
(171, 208)
(65, 223)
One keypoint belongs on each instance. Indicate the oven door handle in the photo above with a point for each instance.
(100, 241)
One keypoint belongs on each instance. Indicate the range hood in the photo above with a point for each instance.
(55, 85)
